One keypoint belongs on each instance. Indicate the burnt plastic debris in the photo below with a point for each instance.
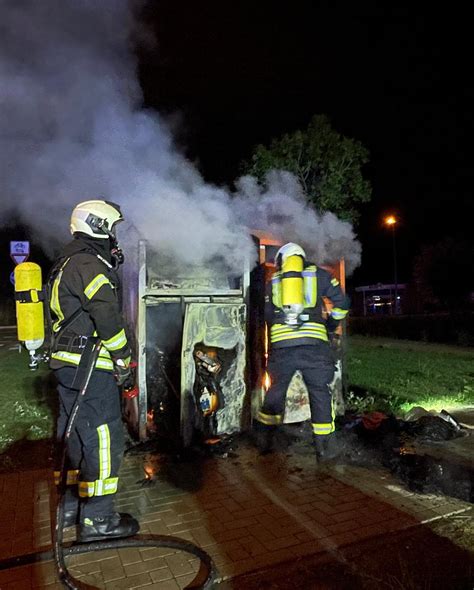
(432, 429)
(427, 475)
(207, 390)
(427, 427)
(208, 362)
(451, 419)
(417, 412)
(394, 443)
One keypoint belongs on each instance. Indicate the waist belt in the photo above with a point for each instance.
(71, 342)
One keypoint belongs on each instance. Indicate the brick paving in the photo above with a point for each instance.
(247, 511)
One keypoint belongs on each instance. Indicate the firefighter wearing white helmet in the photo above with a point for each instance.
(98, 219)
(299, 341)
(290, 249)
(83, 297)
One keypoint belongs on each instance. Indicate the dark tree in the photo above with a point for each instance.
(327, 164)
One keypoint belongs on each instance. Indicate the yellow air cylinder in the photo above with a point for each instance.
(29, 308)
(292, 285)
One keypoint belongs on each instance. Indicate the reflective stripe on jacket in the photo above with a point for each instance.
(85, 281)
(318, 283)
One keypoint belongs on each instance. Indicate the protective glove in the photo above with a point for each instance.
(122, 371)
(331, 325)
(129, 383)
(335, 340)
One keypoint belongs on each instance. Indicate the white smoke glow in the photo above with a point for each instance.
(282, 210)
(72, 128)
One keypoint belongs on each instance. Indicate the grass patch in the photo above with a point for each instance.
(27, 399)
(397, 375)
(388, 375)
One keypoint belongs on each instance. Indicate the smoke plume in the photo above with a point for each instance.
(72, 128)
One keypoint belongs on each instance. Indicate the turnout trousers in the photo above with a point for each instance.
(317, 368)
(96, 444)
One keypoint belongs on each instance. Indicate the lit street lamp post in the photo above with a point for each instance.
(391, 221)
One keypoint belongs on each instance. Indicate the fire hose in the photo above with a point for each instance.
(205, 575)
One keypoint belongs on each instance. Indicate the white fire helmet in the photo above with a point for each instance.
(287, 250)
(96, 218)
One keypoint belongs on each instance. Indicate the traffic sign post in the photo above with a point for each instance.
(19, 251)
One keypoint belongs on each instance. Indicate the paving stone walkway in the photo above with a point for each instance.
(247, 511)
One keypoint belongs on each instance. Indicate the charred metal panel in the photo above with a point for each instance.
(221, 326)
(297, 400)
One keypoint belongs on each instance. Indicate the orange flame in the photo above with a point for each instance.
(265, 342)
(267, 381)
(151, 426)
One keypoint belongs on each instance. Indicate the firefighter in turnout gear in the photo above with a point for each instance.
(83, 291)
(299, 340)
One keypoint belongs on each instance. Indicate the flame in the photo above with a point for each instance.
(267, 381)
(151, 426)
(265, 343)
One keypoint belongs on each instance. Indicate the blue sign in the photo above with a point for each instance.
(19, 251)
(12, 277)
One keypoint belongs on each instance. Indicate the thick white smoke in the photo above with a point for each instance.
(281, 209)
(72, 129)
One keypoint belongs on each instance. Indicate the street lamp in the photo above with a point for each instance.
(391, 221)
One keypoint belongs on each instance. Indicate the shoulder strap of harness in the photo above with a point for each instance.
(53, 273)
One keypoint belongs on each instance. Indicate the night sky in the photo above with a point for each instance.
(397, 78)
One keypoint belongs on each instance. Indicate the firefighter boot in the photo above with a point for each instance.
(326, 447)
(71, 508)
(264, 435)
(71, 518)
(116, 525)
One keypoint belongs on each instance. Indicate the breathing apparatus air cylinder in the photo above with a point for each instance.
(292, 290)
(29, 307)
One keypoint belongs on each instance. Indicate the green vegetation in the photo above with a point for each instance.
(327, 164)
(397, 375)
(27, 399)
(382, 374)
